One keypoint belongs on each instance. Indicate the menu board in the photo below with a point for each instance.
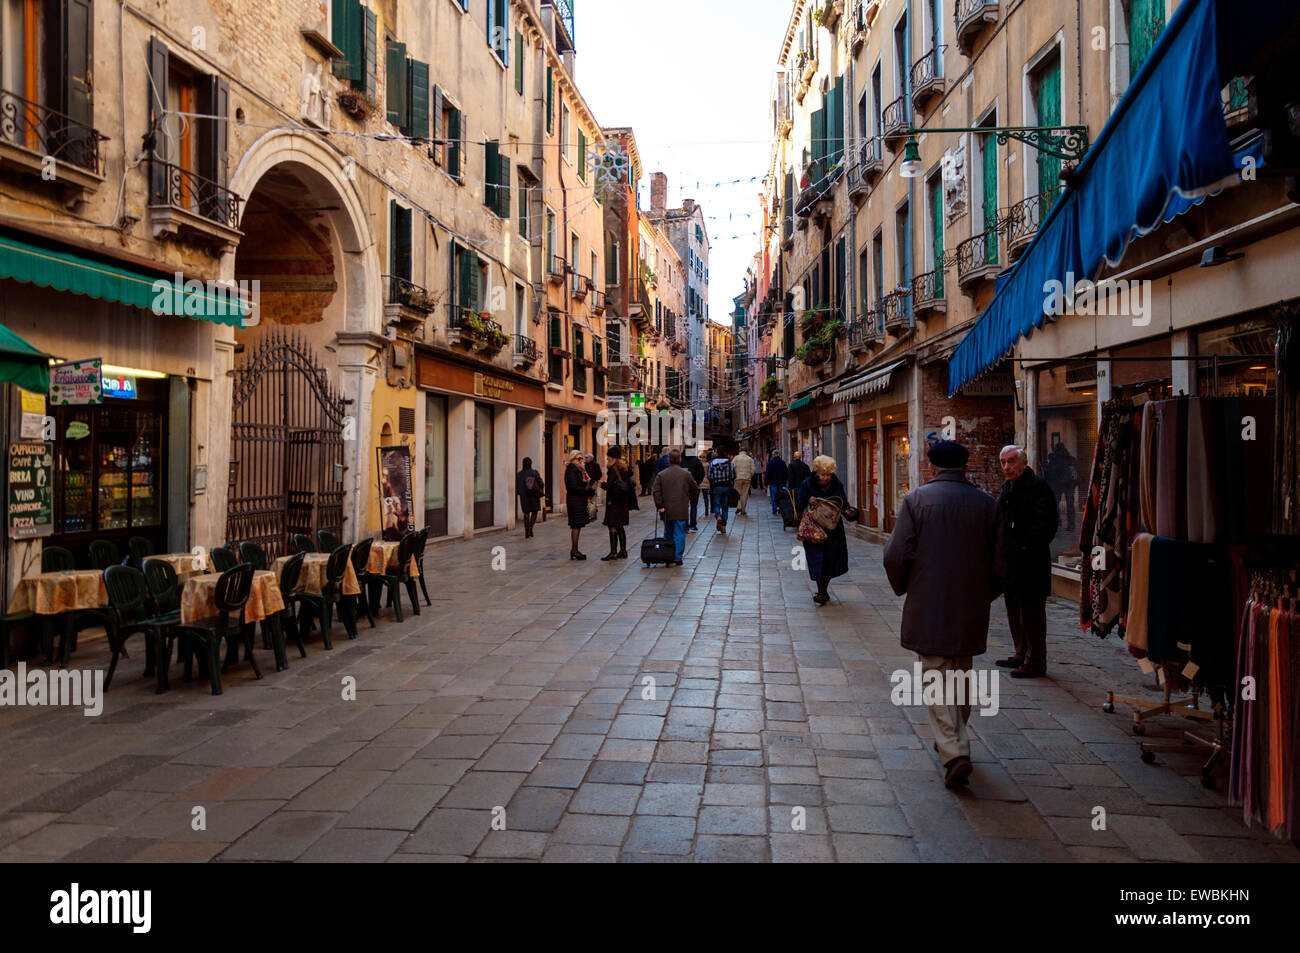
(77, 382)
(395, 492)
(31, 478)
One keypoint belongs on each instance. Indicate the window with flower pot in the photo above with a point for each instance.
(355, 31)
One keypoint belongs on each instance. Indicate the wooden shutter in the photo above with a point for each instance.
(462, 132)
(213, 133)
(437, 129)
(370, 55)
(453, 143)
(348, 28)
(503, 185)
(818, 143)
(78, 41)
(465, 286)
(550, 99)
(1048, 104)
(519, 63)
(475, 282)
(417, 99)
(502, 36)
(491, 153)
(582, 155)
(395, 79)
(836, 132)
(159, 65)
(401, 241)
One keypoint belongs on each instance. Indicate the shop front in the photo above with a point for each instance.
(478, 426)
(879, 427)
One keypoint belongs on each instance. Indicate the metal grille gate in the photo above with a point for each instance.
(286, 459)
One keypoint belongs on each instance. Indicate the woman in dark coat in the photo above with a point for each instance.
(530, 501)
(619, 496)
(829, 559)
(578, 490)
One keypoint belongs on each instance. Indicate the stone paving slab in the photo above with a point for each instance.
(602, 712)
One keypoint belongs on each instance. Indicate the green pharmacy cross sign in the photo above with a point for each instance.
(637, 400)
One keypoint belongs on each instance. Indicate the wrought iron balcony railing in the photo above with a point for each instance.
(525, 347)
(971, 15)
(927, 76)
(927, 291)
(895, 119)
(182, 189)
(978, 256)
(400, 291)
(1021, 220)
(47, 132)
(897, 308)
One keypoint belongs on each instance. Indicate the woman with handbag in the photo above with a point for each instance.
(578, 492)
(823, 503)
(620, 494)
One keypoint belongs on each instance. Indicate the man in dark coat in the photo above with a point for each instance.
(1026, 524)
(941, 556)
(775, 476)
(695, 468)
(797, 471)
(672, 490)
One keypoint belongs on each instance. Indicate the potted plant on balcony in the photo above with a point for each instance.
(768, 390)
(355, 104)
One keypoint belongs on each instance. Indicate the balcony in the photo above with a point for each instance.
(555, 270)
(860, 19)
(895, 119)
(898, 315)
(476, 331)
(185, 204)
(525, 351)
(972, 16)
(406, 302)
(599, 303)
(29, 132)
(830, 13)
(1021, 221)
(927, 79)
(866, 330)
(928, 295)
(978, 259)
(866, 168)
(581, 285)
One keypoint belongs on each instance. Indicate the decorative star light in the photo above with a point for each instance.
(609, 163)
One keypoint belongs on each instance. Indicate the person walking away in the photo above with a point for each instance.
(775, 477)
(646, 470)
(662, 463)
(830, 559)
(940, 556)
(672, 490)
(722, 478)
(577, 491)
(530, 489)
(695, 468)
(797, 472)
(620, 494)
(745, 470)
(1027, 520)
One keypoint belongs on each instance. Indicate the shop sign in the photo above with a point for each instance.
(117, 385)
(33, 420)
(31, 479)
(493, 388)
(77, 382)
(397, 510)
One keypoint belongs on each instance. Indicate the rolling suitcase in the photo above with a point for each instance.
(658, 549)
(789, 516)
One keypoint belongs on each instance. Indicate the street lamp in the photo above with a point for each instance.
(912, 167)
(1064, 142)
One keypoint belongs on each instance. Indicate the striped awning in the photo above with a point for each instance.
(872, 382)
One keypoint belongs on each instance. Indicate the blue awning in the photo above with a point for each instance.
(1163, 149)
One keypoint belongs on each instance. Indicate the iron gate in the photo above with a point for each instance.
(286, 459)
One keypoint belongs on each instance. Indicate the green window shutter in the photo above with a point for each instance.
(368, 82)
(490, 166)
(438, 133)
(453, 143)
(818, 145)
(503, 185)
(990, 173)
(557, 338)
(348, 25)
(417, 98)
(475, 282)
(1048, 103)
(465, 287)
(936, 231)
(550, 99)
(401, 236)
(582, 155)
(1146, 18)
(395, 80)
(523, 212)
(579, 344)
(837, 123)
(519, 63)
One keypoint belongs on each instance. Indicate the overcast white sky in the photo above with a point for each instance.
(692, 79)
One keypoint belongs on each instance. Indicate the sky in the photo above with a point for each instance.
(692, 78)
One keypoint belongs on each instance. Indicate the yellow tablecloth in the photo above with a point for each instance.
(383, 556)
(187, 564)
(50, 593)
(198, 598)
(312, 577)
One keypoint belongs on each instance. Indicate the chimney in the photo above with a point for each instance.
(658, 193)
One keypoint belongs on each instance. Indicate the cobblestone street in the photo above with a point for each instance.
(523, 689)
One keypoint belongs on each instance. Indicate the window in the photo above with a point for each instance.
(934, 210)
(575, 261)
(498, 30)
(496, 179)
(598, 358)
(555, 362)
(450, 128)
(595, 268)
(194, 149)
(987, 171)
(903, 245)
(582, 155)
(564, 133)
(523, 207)
(550, 100)
(877, 94)
(470, 277)
(519, 63)
(579, 354)
(395, 83)
(611, 260)
(1144, 20)
(46, 59)
(878, 266)
(399, 241)
(552, 265)
(902, 59)
(521, 316)
(614, 334)
(1045, 102)
(355, 31)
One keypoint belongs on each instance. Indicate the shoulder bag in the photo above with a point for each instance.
(826, 513)
(809, 530)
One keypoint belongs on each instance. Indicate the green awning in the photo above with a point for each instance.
(65, 271)
(801, 402)
(22, 364)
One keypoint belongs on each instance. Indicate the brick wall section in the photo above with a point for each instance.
(984, 424)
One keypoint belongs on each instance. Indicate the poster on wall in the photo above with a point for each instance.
(77, 383)
(31, 479)
(396, 507)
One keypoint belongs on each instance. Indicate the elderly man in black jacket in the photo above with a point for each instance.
(1026, 524)
(940, 555)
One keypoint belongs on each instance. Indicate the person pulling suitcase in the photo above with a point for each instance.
(672, 490)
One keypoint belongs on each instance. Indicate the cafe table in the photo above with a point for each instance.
(199, 597)
(312, 578)
(383, 557)
(187, 564)
(51, 594)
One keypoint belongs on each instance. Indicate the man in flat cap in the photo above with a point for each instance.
(940, 556)
(1026, 525)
